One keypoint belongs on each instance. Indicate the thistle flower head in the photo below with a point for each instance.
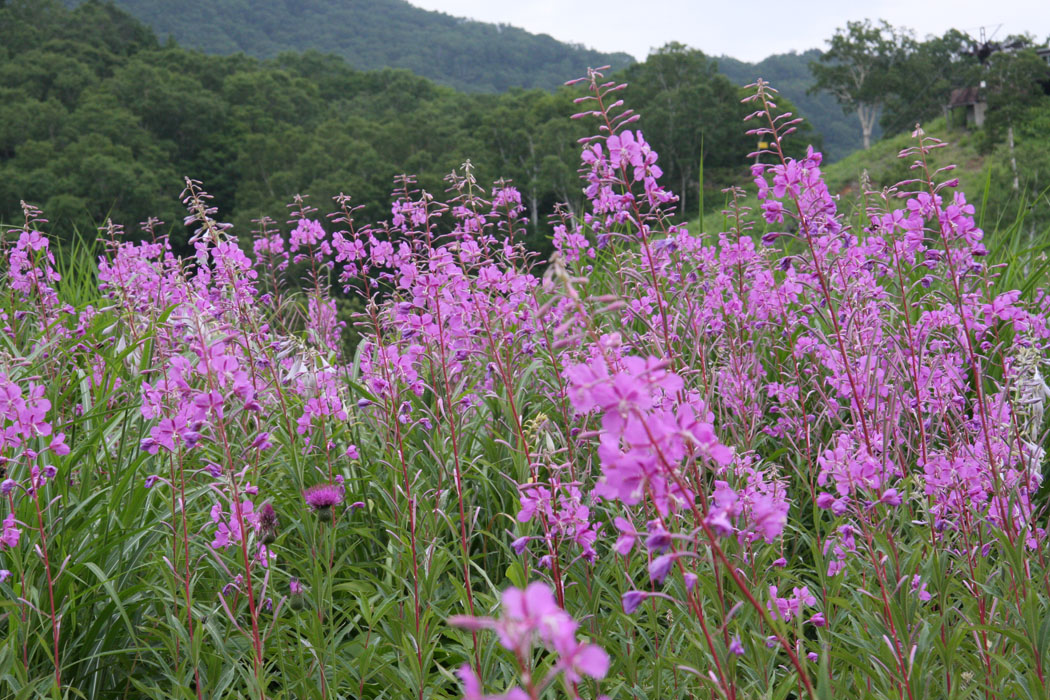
(322, 497)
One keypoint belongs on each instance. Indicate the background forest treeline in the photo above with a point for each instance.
(467, 55)
(100, 118)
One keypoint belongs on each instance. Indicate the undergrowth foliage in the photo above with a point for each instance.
(797, 458)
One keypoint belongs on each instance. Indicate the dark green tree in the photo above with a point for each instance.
(687, 104)
(859, 66)
(921, 82)
(1013, 83)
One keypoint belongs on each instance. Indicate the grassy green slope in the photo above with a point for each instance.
(984, 174)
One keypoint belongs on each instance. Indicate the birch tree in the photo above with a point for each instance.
(858, 66)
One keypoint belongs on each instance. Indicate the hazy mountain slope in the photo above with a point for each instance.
(462, 53)
(370, 34)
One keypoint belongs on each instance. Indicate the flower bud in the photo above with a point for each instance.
(266, 525)
(296, 595)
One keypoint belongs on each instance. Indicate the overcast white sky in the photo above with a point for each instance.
(746, 29)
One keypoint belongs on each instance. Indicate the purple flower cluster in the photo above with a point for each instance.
(529, 618)
(323, 497)
(646, 433)
(562, 510)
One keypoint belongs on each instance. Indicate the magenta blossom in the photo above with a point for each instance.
(296, 594)
(11, 533)
(533, 615)
(472, 689)
(322, 497)
(736, 647)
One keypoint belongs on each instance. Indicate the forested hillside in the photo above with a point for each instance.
(372, 34)
(468, 55)
(98, 118)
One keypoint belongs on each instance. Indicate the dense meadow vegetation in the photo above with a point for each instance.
(514, 429)
(799, 456)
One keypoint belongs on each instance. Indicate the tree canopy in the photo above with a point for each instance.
(858, 66)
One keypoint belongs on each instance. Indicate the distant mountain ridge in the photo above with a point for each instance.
(789, 73)
(372, 34)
